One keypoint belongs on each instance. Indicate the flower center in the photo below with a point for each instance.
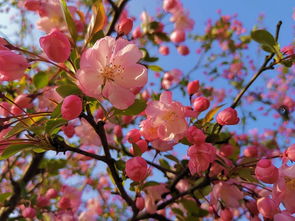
(169, 116)
(110, 71)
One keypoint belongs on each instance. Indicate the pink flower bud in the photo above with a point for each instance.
(168, 5)
(32, 5)
(56, 46)
(142, 144)
(226, 215)
(195, 135)
(183, 50)
(64, 203)
(226, 150)
(4, 109)
(12, 65)
(29, 212)
(164, 50)
(125, 26)
(133, 136)
(51, 193)
(228, 116)
(137, 33)
(43, 201)
(71, 107)
(177, 36)
(140, 203)
(266, 171)
(136, 169)
(200, 104)
(266, 206)
(21, 102)
(290, 152)
(288, 50)
(193, 87)
(251, 151)
(69, 130)
(118, 131)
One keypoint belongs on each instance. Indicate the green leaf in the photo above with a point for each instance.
(4, 196)
(56, 112)
(150, 183)
(263, 37)
(246, 174)
(68, 89)
(40, 80)
(163, 36)
(155, 68)
(164, 163)
(52, 165)
(136, 108)
(171, 157)
(69, 20)
(136, 150)
(53, 124)
(13, 149)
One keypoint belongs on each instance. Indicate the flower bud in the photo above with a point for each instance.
(140, 203)
(71, 107)
(183, 50)
(136, 169)
(193, 87)
(195, 135)
(177, 36)
(142, 144)
(266, 171)
(200, 104)
(228, 116)
(266, 206)
(133, 136)
(164, 50)
(168, 5)
(251, 151)
(226, 150)
(137, 33)
(125, 26)
(290, 152)
(43, 201)
(12, 65)
(51, 193)
(64, 203)
(118, 131)
(56, 46)
(226, 215)
(21, 102)
(29, 212)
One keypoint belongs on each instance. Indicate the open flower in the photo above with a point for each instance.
(109, 69)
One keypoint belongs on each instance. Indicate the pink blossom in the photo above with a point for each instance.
(153, 194)
(164, 50)
(228, 193)
(183, 50)
(226, 150)
(87, 134)
(136, 169)
(29, 212)
(12, 65)
(71, 107)
(195, 135)
(133, 136)
(169, 5)
(56, 46)
(201, 156)
(266, 171)
(4, 108)
(267, 207)
(162, 145)
(290, 152)
(171, 77)
(283, 189)
(228, 116)
(72, 196)
(166, 119)
(226, 215)
(51, 193)
(49, 99)
(110, 69)
(284, 216)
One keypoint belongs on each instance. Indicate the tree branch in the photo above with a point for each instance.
(117, 12)
(32, 171)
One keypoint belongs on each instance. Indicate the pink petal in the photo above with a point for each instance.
(133, 76)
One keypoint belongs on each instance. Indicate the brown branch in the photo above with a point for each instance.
(12, 202)
(117, 12)
(263, 68)
(99, 129)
